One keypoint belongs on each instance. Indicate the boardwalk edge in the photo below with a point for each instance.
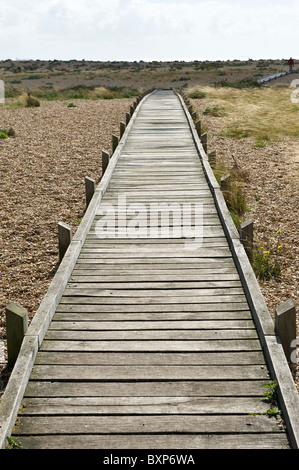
(11, 400)
(273, 351)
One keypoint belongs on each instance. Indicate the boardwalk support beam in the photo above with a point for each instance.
(122, 128)
(285, 328)
(105, 161)
(246, 237)
(212, 158)
(90, 187)
(225, 182)
(64, 238)
(204, 141)
(16, 327)
(115, 141)
(198, 128)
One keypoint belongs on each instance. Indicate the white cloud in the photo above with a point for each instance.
(148, 29)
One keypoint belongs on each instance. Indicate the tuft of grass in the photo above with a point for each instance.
(197, 95)
(267, 259)
(237, 133)
(234, 194)
(3, 134)
(215, 111)
(31, 102)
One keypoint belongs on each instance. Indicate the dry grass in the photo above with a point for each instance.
(266, 114)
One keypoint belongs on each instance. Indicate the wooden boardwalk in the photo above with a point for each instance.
(152, 344)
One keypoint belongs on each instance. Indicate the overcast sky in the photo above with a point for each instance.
(149, 29)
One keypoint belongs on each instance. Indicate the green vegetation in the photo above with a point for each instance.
(87, 92)
(267, 259)
(13, 443)
(197, 94)
(263, 114)
(31, 102)
(234, 194)
(3, 134)
(214, 111)
(240, 84)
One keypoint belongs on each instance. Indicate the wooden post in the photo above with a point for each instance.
(105, 161)
(193, 116)
(16, 326)
(64, 238)
(204, 141)
(198, 128)
(246, 237)
(128, 117)
(131, 110)
(224, 182)
(122, 128)
(90, 187)
(114, 142)
(285, 328)
(212, 158)
(190, 109)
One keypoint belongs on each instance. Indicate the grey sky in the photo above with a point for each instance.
(148, 29)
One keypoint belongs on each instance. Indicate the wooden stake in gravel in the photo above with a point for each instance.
(16, 326)
(246, 237)
(114, 142)
(90, 187)
(105, 161)
(122, 128)
(285, 328)
(64, 238)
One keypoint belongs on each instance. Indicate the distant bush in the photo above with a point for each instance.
(31, 102)
(243, 83)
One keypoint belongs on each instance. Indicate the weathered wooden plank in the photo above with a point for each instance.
(153, 424)
(266, 441)
(151, 325)
(152, 300)
(220, 280)
(70, 315)
(89, 284)
(177, 388)
(65, 372)
(199, 358)
(98, 406)
(152, 346)
(74, 305)
(196, 293)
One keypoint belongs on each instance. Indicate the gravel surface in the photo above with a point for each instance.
(42, 183)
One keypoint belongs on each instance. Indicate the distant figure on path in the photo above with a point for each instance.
(291, 63)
